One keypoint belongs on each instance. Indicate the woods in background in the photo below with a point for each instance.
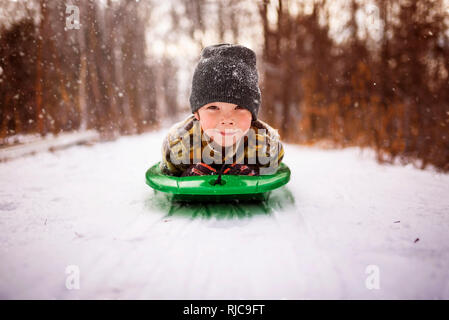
(97, 76)
(390, 92)
(370, 73)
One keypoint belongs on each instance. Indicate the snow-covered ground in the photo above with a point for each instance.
(356, 229)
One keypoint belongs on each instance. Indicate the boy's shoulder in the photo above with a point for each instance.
(259, 124)
(182, 127)
(185, 124)
(263, 128)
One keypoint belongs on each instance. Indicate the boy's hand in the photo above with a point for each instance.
(241, 169)
(199, 169)
(202, 169)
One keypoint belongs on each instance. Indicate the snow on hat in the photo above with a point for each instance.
(226, 73)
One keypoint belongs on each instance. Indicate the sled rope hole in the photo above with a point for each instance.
(218, 181)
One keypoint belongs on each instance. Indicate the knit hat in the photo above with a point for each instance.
(226, 73)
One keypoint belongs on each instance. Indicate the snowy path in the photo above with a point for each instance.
(89, 207)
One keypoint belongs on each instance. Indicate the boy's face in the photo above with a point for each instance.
(225, 123)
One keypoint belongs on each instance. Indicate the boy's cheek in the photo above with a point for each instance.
(209, 124)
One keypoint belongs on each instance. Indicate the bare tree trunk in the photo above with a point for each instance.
(39, 71)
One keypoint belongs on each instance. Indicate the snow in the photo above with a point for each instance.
(88, 207)
(21, 145)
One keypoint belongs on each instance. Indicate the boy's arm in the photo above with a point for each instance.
(170, 164)
(270, 147)
(174, 150)
(274, 153)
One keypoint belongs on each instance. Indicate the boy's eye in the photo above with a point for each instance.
(239, 107)
(212, 108)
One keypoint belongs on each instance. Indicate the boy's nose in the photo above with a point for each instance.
(227, 121)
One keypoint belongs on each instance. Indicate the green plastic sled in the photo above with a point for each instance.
(202, 188)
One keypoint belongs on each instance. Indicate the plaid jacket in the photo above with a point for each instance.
(260, 147)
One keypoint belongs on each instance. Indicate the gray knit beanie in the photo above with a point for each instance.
(226, 73)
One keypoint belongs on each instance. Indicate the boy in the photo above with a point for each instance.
(223, 135)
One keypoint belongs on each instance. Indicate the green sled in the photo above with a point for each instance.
(202, 188)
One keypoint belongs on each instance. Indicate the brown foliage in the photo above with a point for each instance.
(58, 79)
(394, 98)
